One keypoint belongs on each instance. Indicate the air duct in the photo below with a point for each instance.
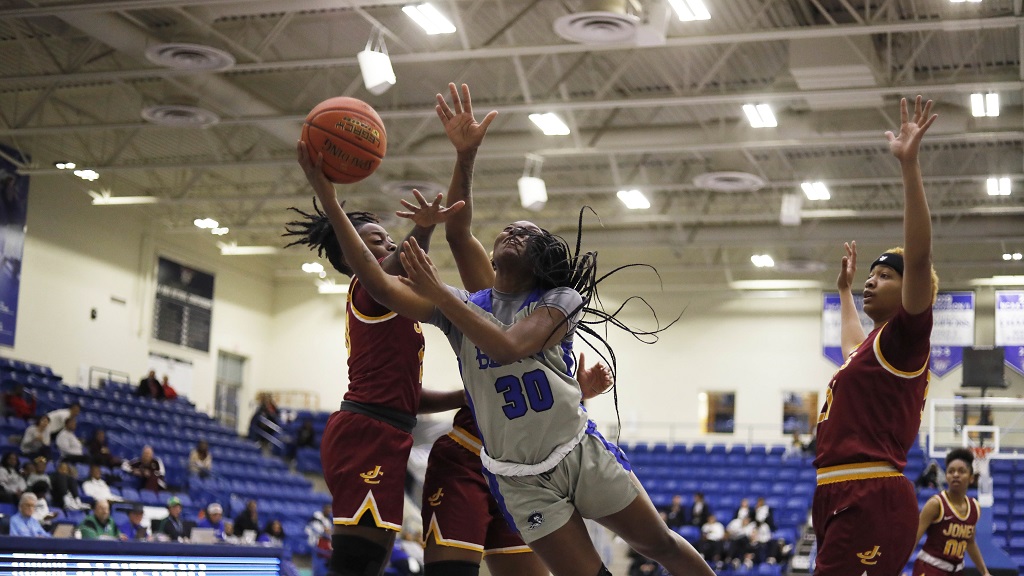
(599, 22)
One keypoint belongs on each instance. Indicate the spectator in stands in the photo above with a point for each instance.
(248, 519)
(265, 420)
(147, 469)
(796, 447)
(99, 452)
(42, 511)
(764, 546)
(60, 417)
(712, 541)
(740, 531)
(169, 393)
(318, 529)
(96, 487)
(304, 438)
(12, 483)
(149, 387)
(36, 440)
(214, 519)
(19, 403)
(273, 534)
(65, 488)
(68, 445)
(929, 478)
(674, 513)
(641, 565)
(744, 510)
(99, 525)
(132, 528)
(23, 523)
(229, 533)
(699, 510)
(200, 461)
(173, 526)
(763, 513)
(38, 474)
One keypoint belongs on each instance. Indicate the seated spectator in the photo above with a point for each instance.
(699, 510)
(36, 440)
(173, 526)
(96, 488)
(273, 534)
(65, 488)
(214, 519)
(744, 510)
(24, 523)
(248, 519)
(712, 541)
(147, 469)
(12, 483)
(132, 528)
(229, 533)
(929, 478)
(38, 474)
(99, 525)
(68, 445)
(60, 417)
(740, 532)
(149, 387)
(42, 512)
(675, 514)
(169, 393)
(796, 447)
(304, 438)
(200, 461)
(319, 529)
(99, 452)
(763, 513)
(265, 419)
(19, 403)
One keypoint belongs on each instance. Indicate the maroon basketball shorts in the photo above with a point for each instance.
(458, 509)
(364, 463)
(864, 526)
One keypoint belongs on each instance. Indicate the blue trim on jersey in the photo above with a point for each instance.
(492, 483)
(615, 450)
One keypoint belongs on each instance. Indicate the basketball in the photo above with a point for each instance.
(349, 134)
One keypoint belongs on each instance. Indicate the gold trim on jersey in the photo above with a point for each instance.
(363, 317)
(859, 471)
(466, 440)
(369, 505)
(434, 529)
(889, 367)
(952, 508)
(510, 550)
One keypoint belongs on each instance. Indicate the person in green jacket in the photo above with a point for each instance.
(99, 525)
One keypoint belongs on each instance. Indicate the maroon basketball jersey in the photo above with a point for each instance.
(385, 354)
(947, 539)
(464, 419)
(873, 404)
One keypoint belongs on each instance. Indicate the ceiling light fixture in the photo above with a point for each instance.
(428, 17)
(103, 198)
(815, 190)
(220, 231)
(550, 124)
(998, 186)
(762, 261)
(375, 65)
(329, 287)
(233, 249)
(984, 104)
(690, 10)
(65, 165)
(1014, 256)
(533, 192)
(999, 281)
(962, 1)
(312, 267)
(634, 199)
(87, 174)
(760, 116)
(775, 285)
(206, 223)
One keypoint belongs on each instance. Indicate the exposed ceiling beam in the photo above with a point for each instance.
(258, 7)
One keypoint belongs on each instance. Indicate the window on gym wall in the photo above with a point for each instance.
(799, 412)
(230, 373)
(717, 412)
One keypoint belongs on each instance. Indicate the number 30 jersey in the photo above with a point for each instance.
(528, 408)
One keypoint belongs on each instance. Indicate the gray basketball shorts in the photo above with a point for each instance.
(592, 479)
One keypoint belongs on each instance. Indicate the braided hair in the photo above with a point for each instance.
(315, 231)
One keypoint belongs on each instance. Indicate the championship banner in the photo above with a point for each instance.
(1010, 327)
(952, 328)
(13, 207)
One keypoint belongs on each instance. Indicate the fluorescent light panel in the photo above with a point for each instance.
(65, 165)
(87, 174)
(775, 285)
(998, 186)
(533, 193)
(984, 104)
(999, 281)
(236, 250)
(690, 10)
(1014, 256)
(634, 199)
(206, 223)
(815, 191)
(550, 124)
(762, 261)
(760, 115)
(329, 287)
(432, 21)
(108, 200)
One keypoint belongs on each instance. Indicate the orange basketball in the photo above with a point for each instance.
(349, 134)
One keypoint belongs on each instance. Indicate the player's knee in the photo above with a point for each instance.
(356, 556)
(451, 568)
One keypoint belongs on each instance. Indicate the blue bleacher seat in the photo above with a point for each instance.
(130, 494)
(689, 533)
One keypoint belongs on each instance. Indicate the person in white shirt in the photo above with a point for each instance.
(711, 544)
(96, 487)
(70, 447)
(59, 417)
(741, 531)
(763, 513)
(36, 439)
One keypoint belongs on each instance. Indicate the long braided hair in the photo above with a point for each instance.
(315, 231)
(555, 265)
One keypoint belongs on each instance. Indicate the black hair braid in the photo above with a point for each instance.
(554, 265)
(315, 231)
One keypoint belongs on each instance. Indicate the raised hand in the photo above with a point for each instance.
(426, 215)
(594, 380)
(421, 275)
(315, 175)
(848, 267)
(905, 146)
(462, 128)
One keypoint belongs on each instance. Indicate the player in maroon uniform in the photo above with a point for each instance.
(366, 443)
(864, 507)
(949, 518)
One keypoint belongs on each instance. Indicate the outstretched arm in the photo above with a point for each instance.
(851, 332)
(917, 223)
(432, 401)
(383, 287)
(425, 217)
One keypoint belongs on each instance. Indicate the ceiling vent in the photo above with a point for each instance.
(600, 22)
(728, 182)
(186, 56)
(178, 115)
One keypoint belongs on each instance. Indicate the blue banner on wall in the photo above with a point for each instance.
(952, 328)
(1010, 327)
(13, 207)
